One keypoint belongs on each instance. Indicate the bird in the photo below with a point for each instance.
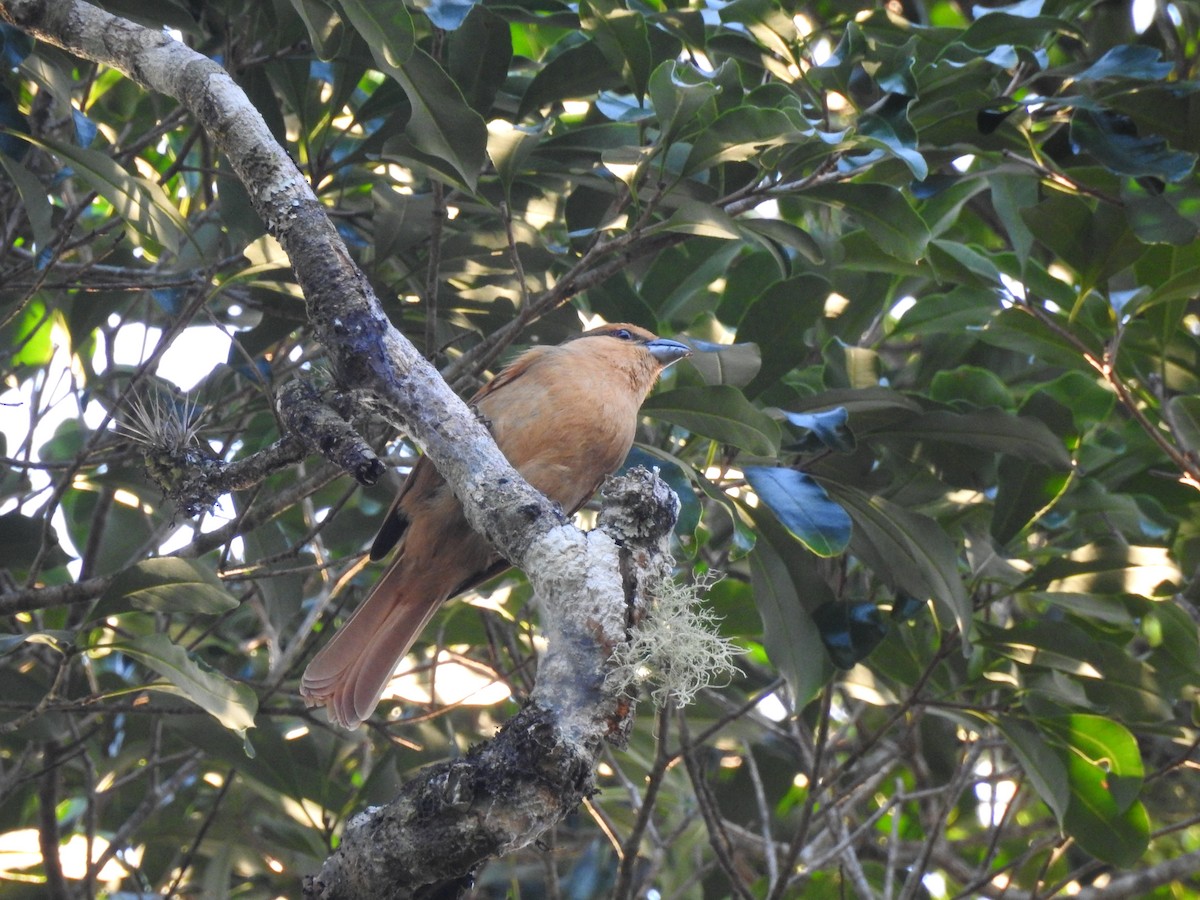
(565, 416)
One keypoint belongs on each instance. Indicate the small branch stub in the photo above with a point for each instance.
(322, 429)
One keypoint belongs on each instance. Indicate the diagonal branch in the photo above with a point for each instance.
(506, 793)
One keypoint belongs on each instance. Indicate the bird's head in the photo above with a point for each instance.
(639, 354)
(625, 338)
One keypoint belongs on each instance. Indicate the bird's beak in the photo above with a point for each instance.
(667, 351)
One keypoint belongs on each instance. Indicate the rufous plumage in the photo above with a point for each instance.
(565, 417)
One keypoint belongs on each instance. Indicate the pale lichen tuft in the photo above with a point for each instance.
(675, 649)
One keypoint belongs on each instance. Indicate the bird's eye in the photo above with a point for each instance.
(622, 334)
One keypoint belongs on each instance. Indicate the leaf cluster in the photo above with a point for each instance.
(941, 431)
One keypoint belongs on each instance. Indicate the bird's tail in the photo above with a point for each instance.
(349, 673)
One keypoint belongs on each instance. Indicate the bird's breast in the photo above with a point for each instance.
(562, 435)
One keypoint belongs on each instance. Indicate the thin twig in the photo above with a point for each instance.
(815, 785)
(654, 780)
(717, 837)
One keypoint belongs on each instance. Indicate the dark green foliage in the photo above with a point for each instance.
(941, 433)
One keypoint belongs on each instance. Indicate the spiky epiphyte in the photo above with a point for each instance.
(675, 648)
(168, 430)
(162, 423)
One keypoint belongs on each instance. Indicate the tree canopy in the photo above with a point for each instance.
(937, 451)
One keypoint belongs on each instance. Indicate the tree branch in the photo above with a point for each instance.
(506, 792)
(509, 791)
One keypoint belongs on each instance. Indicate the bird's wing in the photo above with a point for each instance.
(424, 477)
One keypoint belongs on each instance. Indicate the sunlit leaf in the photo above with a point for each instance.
(803, 507)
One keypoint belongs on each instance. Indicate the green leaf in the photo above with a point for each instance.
(849, 366)
(789, 635)
(21, 539)
(1102, 608)
(1113, 682)
(740, 134)
(700, 219)
(788, 235)
(621, 35)
(677, 92)
(56, 639)
(679, 284)
(719, 412)
(1017, 26)
(1175, 645)
(959, 263)
(1024, 492)
(1155, 219)
(777, 321)
(734, 364)
(1010, 194)
(1113, 140)
(509, 147)
(231, 703)
(141, 203)
(1128, 61)
(1107, 568)
(883, 211)
(1183, 413)
(889, 128)
(34, 201)
(480, 53)
(1104, 768)
(386, 27)
(908, 550)
(850, 630)
(1043, 767)
(442, 124)
(1022, 436)
(581, 70)
(168, 585)
(970, 386)
(325, 26)
(803, 507)
(770, 25)
(1107, 744)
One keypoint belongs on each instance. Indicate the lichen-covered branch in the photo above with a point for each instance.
(452, 818)
(505, 793)
(366, 351)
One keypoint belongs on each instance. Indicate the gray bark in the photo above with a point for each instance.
(506, 793)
